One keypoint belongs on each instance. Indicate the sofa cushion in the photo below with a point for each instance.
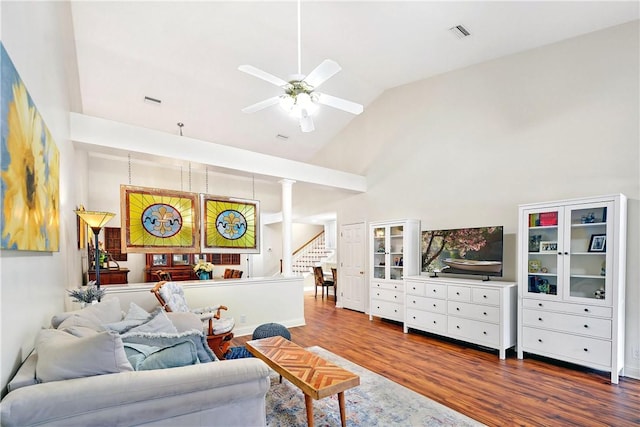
(185, 321)
(63, 356)
(145, 357)
(162, 339)
(106, 311)
(26, 374)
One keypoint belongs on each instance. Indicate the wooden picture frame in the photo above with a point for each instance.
(159, 221)
(548, 247)
(598, 243)
(230, 225)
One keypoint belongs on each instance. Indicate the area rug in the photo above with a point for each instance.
(377, 401)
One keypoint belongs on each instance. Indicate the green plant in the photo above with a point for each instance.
(87, 293)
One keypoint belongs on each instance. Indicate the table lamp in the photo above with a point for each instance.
(96, 220)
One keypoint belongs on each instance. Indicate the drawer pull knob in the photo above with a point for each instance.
(586, 310)
(457, 293)
(540, 319)
(395, 296)
(485, 332)
(484, 296)
(586, 326)
(566, 253)
(414, 317)
(434, 322)
(485, 313)
(539, 340)
(434, 305)
(434, 290)
(414, 301)
(539, 304)
(585, 349)
(457, 327)
(395, 311)
(457, 308)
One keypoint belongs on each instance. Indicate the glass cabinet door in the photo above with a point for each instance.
(543, 249)
(586, 257)
(380, 251)
(396, 261)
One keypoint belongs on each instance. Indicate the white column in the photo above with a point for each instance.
(287, 185)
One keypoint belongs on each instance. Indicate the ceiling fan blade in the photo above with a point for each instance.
(339, 103)
(250, 69)
(306, 122)
(323, 72)
(261, 105)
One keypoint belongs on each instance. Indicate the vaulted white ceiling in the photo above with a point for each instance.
(187, 55)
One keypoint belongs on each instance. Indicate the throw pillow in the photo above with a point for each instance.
(135, 317)
(144, 357)
(106, 311)
(161, 339)
(78, 331)
(84, 320)
(62, 356)
(157, 322)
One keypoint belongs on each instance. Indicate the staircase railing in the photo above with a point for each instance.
(309, 254)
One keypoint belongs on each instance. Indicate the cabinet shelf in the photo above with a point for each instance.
(587, 276)
(590, 224)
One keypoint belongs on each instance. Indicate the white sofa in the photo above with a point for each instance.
(218, 393)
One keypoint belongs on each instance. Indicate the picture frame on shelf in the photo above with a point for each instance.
(598, 243)
(534, 243)
(548, 246)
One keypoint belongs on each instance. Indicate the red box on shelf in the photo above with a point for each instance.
(548, 218)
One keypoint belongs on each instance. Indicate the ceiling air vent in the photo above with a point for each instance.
(459, 31)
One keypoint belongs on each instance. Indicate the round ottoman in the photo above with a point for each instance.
(271, 330)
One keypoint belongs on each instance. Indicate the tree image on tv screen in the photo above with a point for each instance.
(464, 250)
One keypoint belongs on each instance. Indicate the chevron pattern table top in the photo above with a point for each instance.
(315, 376)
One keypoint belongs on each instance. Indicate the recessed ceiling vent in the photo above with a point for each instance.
(460, 32)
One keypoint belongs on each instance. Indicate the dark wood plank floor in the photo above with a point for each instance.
(471, 380)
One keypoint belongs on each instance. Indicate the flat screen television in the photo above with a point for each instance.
(475, 251)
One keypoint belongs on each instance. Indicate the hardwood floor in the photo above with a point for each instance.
(473, 381)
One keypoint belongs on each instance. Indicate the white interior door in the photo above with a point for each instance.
(351, 276)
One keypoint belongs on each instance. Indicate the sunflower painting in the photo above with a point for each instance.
(30, 169)
(231, 225)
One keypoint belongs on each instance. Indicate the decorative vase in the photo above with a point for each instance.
(204, 275)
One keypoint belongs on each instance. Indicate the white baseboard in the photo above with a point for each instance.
(632, 372)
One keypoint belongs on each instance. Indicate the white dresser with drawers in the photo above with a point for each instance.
(483, 313)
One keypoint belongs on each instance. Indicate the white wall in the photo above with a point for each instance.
(465, 148)
(39, 40)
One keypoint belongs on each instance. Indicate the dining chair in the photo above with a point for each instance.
(321, 281)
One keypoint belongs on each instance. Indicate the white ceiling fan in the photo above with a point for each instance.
(300, 98)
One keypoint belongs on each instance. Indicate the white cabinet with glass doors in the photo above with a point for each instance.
(571, 274)
(394, 253)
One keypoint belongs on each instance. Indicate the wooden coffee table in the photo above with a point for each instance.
(316, 377)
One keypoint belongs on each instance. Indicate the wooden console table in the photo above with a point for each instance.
(111, 276)
(316, 377)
